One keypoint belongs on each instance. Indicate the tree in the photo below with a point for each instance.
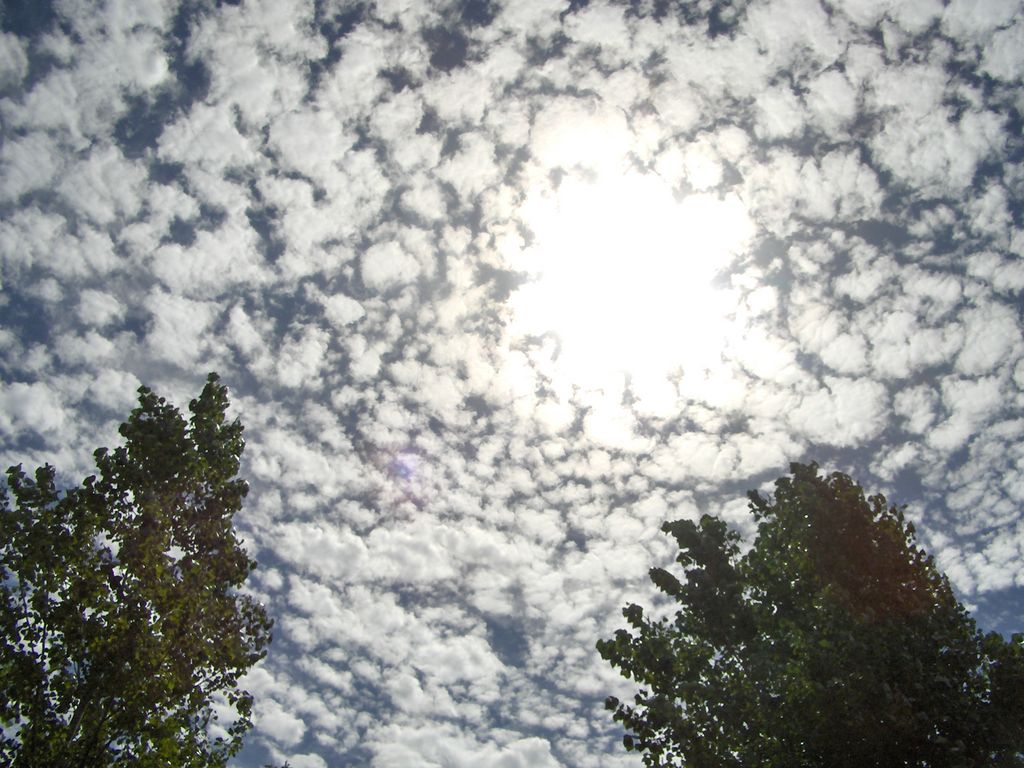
(122, 632)
(834, 641)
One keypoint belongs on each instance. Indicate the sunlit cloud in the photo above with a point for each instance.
(622, 272)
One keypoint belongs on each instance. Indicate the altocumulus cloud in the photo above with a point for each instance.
(498, 288)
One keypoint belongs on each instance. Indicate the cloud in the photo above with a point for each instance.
(998, 58)
(99, 309)
(114, 390)
(215, 263)
(33, 407)
(991, 338)
(386, 265)
(1004, 275)
(342, 310)
(792, 29)
(600, 26)
(823, 329)
(902, 346)
(917, 407)
(208, 137)
(13, 60)
(28, 164)
(310, 141)
(969, 403)
(843, 412)
(280, 724)
(934, 153)
(394, 746)
(832, 101)
(323, 551)
(455, 487)
(780, 113)
(471, 169)
(574, 132)
(177, 332)
(968, 18)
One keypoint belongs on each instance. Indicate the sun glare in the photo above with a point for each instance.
(621, 274)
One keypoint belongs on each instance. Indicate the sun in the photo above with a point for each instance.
(621, 274)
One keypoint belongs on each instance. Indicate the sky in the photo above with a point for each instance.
(499, 287)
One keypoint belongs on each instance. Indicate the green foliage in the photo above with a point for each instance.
(122, 633)
(833, 642)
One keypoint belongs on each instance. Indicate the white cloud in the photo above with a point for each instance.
(1004, 275)
(323, 550)
(766, 356)
(386, 265)
(472, 168)
(844, 412)
(114, 390)
(177, 333)
(793, 31)
(990, 213)
(308, 760)
(34, 407)
(310, 141)
(255, 56)
(356, 85)
(938, 292)
(13, 60)
(865, 12)
(901, 345)
(822, 329)
(113, 17)
(728, 67)
(916, 15)
(694, 456)
(532, 17)
(832, 101)
(842, 186)
(314, 235)
(978, 18)
(29, 163)
(934, 154)
(621, 89)
(139, 55)
(838, 186)
(870, 273)
(917, 407)
(278, 723)
(602, 26)
(992, 338)
(90, 348)
(244, 334)
(342, 310)
(459, 97)
(780, 113)
(442, 745)
(398, 116)
(301, 359)
(970, 404)
(677, 105)
(570, 132)
(206, 136)
(1001, 54)
(425, 198)
(609, 425)
(217, 262)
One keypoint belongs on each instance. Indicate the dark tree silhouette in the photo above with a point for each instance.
(122, 631)
(833, 642)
